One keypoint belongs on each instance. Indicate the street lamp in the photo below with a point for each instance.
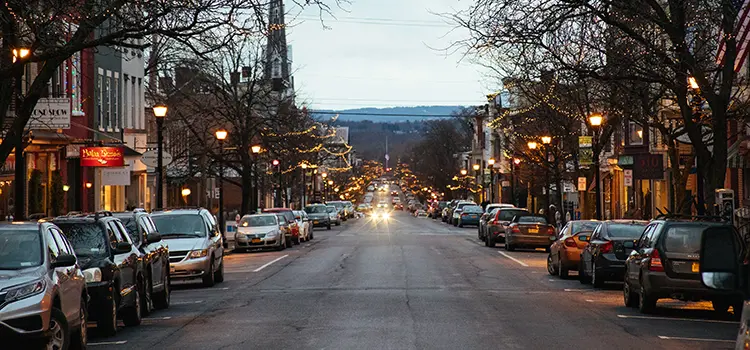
(491, 164)
(463, 172)
(477, 177)
(221, 135)
(532, 145)
(513, 175)
(185, 193)
(277, 194)
(255, 151)
(547, 140)
(20, 171)
(304, 186)
(696, 105)
(595, 120)
(160, 111)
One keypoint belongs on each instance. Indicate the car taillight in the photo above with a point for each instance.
(494, 222)
(570, 242)
(464, 214)
(655, 264)
(515, 229)
(551, 230)
(605, 248)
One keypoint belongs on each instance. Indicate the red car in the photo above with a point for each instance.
(291, 223)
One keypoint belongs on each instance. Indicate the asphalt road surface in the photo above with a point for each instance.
(410, 283)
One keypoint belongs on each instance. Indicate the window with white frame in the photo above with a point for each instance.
(116, 122)
(108, 100)
(100, 99)
(635, 134)
(125, 101)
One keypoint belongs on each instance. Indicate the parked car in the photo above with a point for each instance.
(318, 213)
(484, 220)
(565, 252)
(114, 274)
(603, 259)
(44, 296)
(495, 230)
(457, 211)
(155, 255)
(260, 231)
(436, 209)
(666, 264)
(334, 215)
(420, 214)
(470, 215)
(529, 231)
(196, 249)
(349, 206)
(723, 270)
(304, 224)
(341, 208)
(493, 206)
(289, 223)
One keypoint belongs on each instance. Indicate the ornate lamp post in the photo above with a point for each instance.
(221, 135)
(513, 175)
(491, 165)
(304, 186)
(20, 172)
(595, 120)
(160, 111)
(255, 151)
(546, 141)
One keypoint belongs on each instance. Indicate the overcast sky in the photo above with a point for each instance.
(381, 53)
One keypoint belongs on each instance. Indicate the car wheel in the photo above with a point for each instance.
(338, 223)
(296, 241)
(79, 340)
(582, 277)
(491, 241)
(289, 243)
(479, 234)
(562, 270)
(646, 302)
(161, 299)
(460, 224)
(219, 277)
(147, 304)
(311, 236)
(596, 278)
(107, 323)
(328, 227)
(58, 330)
(208, 277)
(630, 298)
(132, 315)
(551, 269)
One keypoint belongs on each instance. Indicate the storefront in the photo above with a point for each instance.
(650, 190)
(111, 175)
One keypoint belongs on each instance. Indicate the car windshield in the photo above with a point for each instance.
(507, 215)
(684, 239)
(257, 221)
(625, 230)
(532, 220)
(316, 209)
(336, 204)
(331, 209)
(282, 219)
(473, 209)
(180, 225)
(20, 249)
(88, 239)
(582, 226)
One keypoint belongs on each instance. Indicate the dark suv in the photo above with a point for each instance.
(109, 260)
(603, 259)
(666, 264)
(155, 255)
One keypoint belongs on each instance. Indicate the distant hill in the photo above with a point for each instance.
(390, 114)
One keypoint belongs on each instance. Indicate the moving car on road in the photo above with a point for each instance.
(565, 252)
(529, 231)
(260, 231)
(114, 273)
(341, 207)
(318, 213)
(470, 215)
(304, 224)
(334, 215)
(603, 259)
(497, 227)
(42, 288)
(196, 249)
(665, 263)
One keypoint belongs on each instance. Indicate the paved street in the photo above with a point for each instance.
(409, 284)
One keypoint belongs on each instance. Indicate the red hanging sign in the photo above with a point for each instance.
(102, 157)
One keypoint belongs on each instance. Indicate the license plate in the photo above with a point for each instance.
(315, 222)
(473, 216)
(696, 267)
(533, 230)
(256, 240)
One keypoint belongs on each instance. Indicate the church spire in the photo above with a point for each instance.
(277, 60)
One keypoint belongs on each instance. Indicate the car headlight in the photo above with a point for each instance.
(386, 215)
(273, 233)
(25, 290)
(93, 274)
(195, 254)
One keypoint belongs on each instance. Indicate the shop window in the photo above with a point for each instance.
(635, 134)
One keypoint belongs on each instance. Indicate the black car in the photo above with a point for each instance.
(114, 274)
(603, 259)
(666, 264)
(318, 213)
(155, 255)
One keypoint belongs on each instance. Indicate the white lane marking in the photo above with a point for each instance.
(514, 259)
(156, 318)
(697, 339)
(119, 342)
(269, 264)
(575, 290)
(225, 288)
(676, 319)
(187, 302)
(589, 300)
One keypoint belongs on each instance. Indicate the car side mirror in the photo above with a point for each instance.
(153, 237)
(629, 245)
(719, 258)
(122, 248)
(64, 260)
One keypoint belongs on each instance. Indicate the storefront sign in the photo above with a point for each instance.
(150, 158)
(102, 157)
(585, 150)
(50, 114)
(648, 167)
(115, 177)
(625, 160)
(582, 184)
(627, 176)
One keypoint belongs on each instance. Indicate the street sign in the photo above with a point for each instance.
(628, 177)
(582, 184)
(150, 158)
(505, 183)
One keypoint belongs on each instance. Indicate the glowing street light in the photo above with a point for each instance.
(532, 144)
(596, 119)
(546, 140)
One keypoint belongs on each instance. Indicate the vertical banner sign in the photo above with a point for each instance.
(585, 150)
(582, 184)
(627, 177)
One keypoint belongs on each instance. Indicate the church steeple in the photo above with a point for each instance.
(277, 60)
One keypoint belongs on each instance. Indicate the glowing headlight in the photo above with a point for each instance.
(25, 291)
(93, 274)
(386, 215)
(195, 254)
(272, 233)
